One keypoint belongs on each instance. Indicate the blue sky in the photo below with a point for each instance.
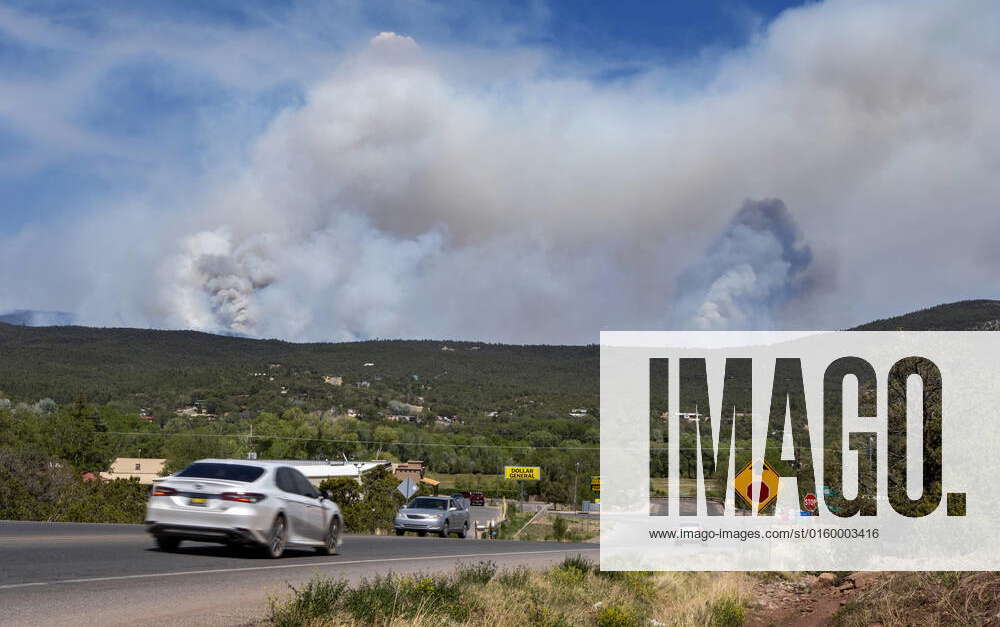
(108, 108)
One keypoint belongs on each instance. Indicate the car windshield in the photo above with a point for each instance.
(425, 503)
(226, 472)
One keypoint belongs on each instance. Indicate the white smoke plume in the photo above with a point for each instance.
(759, 263)
(426, 191)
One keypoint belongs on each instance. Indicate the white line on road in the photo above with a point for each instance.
(283, 566)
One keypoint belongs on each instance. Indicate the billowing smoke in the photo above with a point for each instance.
(415, 189)
(759, 263)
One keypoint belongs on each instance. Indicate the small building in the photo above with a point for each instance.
(413, 469)
(142, 468)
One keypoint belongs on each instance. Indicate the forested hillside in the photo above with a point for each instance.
(966, 315)
(83, 396)
(163, 370)
(463, 407)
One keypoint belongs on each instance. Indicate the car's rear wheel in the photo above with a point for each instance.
(332, 539)
(277, 538)
(166, 543)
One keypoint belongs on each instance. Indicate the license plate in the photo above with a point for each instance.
(198, 500)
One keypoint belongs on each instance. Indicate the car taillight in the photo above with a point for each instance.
(164, 491)
(242, 497)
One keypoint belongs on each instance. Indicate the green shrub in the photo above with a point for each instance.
(544, 616)
(726, 612)
(390, 597)
(480, 573)
(578, 562)
(516, 578)
(318, 598)
(616, 616)
(38, 487)
(560, 527)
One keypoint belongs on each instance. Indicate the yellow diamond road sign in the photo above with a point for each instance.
(748, 486)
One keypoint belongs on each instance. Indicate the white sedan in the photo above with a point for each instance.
(237, 502)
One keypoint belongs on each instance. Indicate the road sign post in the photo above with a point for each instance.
(407, 487)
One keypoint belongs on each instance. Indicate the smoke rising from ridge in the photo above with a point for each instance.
(422, 191)
(758, 264)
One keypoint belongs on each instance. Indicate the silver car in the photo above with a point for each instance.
(235, 502)
(436, 514)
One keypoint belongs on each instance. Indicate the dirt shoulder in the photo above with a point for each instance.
(804, 600)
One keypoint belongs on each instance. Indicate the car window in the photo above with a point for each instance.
(305, 487)
(428, 503)
(226, 472)
(285, 481)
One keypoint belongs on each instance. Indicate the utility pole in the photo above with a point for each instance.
(576, 492)
(251, 453)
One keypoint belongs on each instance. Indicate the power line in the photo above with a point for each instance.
(338, 441)
(243, 436)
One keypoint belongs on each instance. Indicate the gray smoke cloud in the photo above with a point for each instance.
(759, 263)
(417, 190)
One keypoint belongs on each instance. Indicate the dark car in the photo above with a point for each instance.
(477, 498)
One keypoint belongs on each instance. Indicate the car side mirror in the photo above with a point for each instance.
(323, 494)
(453, 508)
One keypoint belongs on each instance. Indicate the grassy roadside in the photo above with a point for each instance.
(571, 593)
(926, 598)
(550, 527)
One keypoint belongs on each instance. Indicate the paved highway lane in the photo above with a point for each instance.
(76, 574)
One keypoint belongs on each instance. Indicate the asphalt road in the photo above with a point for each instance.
(80, 574)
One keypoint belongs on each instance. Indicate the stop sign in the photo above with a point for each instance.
(757, 486)
(810, 502)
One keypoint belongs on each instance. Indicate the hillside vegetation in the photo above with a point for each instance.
(150, 368)
(83, 396)
(966, 315)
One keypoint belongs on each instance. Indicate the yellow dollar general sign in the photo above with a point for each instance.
(531, 473)
(747, 485)
(595, 484)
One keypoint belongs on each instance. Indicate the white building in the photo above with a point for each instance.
(317, 471)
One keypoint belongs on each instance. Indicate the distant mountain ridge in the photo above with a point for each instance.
(173, 367)
(35, 318)
(965, 315)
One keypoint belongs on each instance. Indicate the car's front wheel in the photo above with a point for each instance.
(332, 539)
(277, 538)
(400, 532)
(444, 530)
(166, 543)
(465, 530)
